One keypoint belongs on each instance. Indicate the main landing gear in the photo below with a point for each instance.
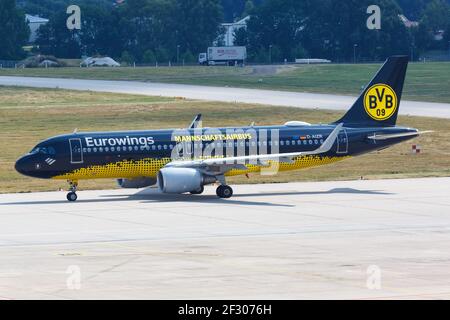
(72, 195)
(224, 191)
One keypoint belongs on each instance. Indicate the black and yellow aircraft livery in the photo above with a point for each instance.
(205, 156)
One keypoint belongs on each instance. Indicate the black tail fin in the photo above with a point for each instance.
(379, 102)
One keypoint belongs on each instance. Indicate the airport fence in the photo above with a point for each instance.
(8, 64)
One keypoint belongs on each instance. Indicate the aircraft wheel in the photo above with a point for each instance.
(224, 191)
(199, 191)
(72, 196)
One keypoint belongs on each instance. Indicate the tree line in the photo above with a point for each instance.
(337, 30)
(174, 30)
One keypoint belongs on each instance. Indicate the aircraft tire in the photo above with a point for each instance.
(224, 192)
(72, 196)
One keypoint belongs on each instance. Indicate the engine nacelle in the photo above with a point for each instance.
(136, 183)
(181, 180)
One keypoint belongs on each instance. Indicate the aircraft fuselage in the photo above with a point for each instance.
(133, 154)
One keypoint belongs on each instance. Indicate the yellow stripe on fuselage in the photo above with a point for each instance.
(149, 168)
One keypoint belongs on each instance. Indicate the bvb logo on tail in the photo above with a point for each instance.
(380, 102)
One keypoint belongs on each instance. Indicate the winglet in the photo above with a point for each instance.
(195, 123)
(329, 142)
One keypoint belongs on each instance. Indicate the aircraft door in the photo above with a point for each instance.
(76, 151)
(342, 142)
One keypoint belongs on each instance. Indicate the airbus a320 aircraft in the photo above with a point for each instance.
(182, 161)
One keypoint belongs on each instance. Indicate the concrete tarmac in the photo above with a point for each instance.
(276, 98)
(346, 240)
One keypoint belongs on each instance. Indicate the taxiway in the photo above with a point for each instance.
(233, 95)
(353, 239)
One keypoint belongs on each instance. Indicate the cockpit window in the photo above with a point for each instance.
(44, 150)
(51, 151)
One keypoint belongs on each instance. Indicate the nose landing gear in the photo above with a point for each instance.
(72, 195)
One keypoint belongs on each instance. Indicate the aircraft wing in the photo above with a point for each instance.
(228, 163)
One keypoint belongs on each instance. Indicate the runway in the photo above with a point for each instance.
(276, 98)
(318, 240)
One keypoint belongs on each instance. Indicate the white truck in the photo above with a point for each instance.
(223, 56)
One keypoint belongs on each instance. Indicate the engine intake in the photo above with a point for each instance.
(181, 180)
(136, 183)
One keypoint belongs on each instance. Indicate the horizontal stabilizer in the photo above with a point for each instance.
(396, 135)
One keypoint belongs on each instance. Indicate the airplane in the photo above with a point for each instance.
(185, 160)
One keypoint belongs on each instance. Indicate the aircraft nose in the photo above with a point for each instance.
(23, 165)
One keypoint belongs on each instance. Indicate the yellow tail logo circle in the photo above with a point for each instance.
(380, 102)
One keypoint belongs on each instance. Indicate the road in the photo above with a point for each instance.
(276, 98)
(355, 239)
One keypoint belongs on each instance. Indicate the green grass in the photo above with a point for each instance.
(424, 81)
(30, 115)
